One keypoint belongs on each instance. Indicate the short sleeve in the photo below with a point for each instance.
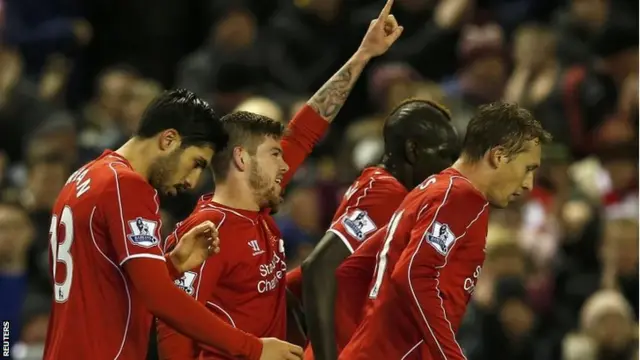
(131, 210)
(354, 227)
(370, 208)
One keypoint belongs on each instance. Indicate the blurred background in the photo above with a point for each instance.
(561, 276)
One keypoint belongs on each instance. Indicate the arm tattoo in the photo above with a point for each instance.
(332, 95)
(328, 101)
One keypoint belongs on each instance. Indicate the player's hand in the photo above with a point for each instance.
(382, 33)
(195, 247)
(274, 349)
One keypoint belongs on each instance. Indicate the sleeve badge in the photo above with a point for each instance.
(143, 232)
(440, 237)
(358, 224)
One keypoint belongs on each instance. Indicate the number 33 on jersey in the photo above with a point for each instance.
(105, 215)
(61, 253)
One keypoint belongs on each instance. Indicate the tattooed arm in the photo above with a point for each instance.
(382, 33)
(332, 95)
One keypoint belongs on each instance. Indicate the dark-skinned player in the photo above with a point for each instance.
(419, 141)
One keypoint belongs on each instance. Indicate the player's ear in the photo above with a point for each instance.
(497, 157)
(239, 158)
(169, 140)
(410, 152)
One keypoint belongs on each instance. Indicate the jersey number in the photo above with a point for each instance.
(382, 255)
(61, 252)
(384, 252)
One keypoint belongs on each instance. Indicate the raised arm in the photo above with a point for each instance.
(319, 286)
(382, 33)
(307, 127)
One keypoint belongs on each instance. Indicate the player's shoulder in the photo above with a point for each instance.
(225, 218)
(449, 184)
(203, 213)
(103, 178)
(381, 179)
(199, 215)
(374, 181)
(116, 175)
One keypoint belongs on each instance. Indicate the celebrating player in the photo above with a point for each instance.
(433, 247)
(245, 284)
(419, 141)
(109, 272)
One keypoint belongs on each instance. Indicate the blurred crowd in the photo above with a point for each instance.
(561, 276)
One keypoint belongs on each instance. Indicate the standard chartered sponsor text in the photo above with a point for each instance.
(271, 273)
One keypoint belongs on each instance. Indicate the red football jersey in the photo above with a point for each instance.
(438, 236)
(367, 205)
(245, 283)
(105, 215)
(354, 277)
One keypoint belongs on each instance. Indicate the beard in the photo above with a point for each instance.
(264, 189)
(161, 171)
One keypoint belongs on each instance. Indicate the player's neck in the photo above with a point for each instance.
(235, 193)
(476, 173)
(136, 152)
(397, 171)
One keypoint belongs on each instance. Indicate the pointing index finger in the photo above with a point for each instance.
(386, 10)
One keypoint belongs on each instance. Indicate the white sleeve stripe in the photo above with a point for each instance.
(201, 272)
(197, 289)
(159, 229)
(444, 312)
(446, 258)
(124, 233)
(413, 293)
(343, 238)
(148, 256)
(233, 323)
(166, 242)
(224, 211)
(360, 198)
(411, 350)
(124, 282)
(440, 267)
